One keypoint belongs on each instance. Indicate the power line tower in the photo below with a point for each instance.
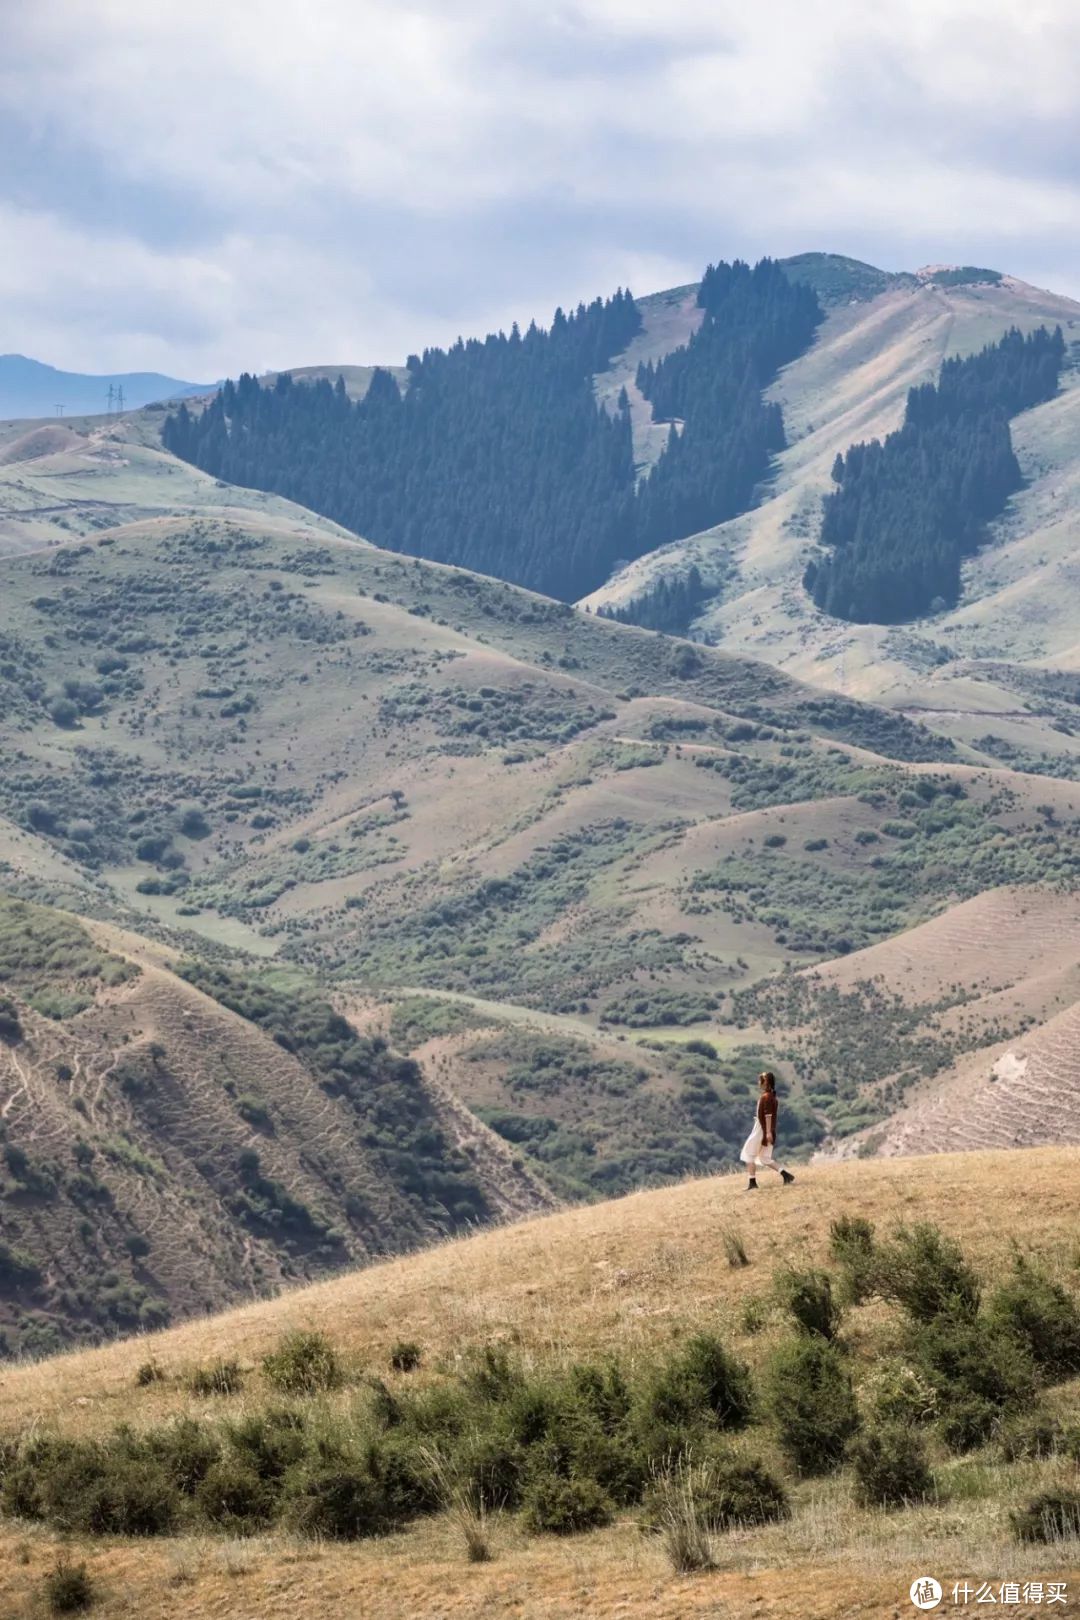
(120, 399)
(59, 409)
(112, 396)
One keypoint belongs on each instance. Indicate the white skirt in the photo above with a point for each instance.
(753, 1152)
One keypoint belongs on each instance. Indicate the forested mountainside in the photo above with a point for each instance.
(907, 511)
(498, 457)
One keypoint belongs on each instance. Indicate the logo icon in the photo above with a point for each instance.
(926, 1592)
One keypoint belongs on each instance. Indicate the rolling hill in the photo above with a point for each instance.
(591, 877)
(557, 1298)
(172, 1143)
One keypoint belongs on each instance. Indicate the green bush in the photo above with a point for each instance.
(808, 1297)
(217, 1378)
(342, 1502)
(981, 1372)
(10, 1025)
(93, 1488)
(302, 1364)
(1034, 1435)
(69, 1588)
(926, 1273)
(405, 1356)
(891, 1469)
(186, 1451)
(1051, 1516)
(1043, 1317)
(233, 1497)
(350, 1496)
(556, 1506)
(702, 1382)
(726, 1493)
(851, 1241)
(812, 1403)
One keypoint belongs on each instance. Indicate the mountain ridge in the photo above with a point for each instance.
(31, 388)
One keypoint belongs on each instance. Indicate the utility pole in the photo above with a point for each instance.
(112, 393)
(59, 409)
(120, 399)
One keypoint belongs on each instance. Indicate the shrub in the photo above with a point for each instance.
(148, 1373)
(1042, 1316)
(217, 1378)
(703, 1381)
(232, 1496)
(1035, 1434)
(898, 1393)
(340, 1501)
(813, 1404)
(303, 1364)
(726, 1493)
(560, 1507)
(808, 1297)
(95, 1488)
(926, 1273)
(186, 1451)
(63, 712)
(350, 1497)
(851, 1240)
(890, 1465)
(69, 1588)
(734, 1249)
(271, 1441)
(970, 1421)
(980, 1372)
(1053, 1515)
(10, 1024)
(405, 1356)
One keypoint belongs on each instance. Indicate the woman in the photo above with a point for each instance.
(757, 1152)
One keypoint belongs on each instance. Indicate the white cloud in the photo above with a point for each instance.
(353, 178)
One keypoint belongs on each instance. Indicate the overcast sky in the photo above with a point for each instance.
(206, 186)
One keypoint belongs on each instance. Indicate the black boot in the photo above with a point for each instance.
(786, 1177)
(751, 1185)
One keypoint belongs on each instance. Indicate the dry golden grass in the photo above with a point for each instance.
(631, 1274)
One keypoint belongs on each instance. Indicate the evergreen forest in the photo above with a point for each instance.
(497, 456)
(670, 605)
(907, 511)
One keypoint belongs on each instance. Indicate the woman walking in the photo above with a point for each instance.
(757, 1153)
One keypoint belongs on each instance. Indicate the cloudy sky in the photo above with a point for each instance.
(201, 187)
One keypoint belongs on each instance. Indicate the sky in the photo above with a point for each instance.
(203, 188)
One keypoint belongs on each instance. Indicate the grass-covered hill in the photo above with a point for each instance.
(175, 1136)
(406, 785)
(658, 1405)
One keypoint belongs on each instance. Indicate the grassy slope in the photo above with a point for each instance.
(130, 1115)
(109, 473)
(1019, 599)
(638, 1273)
(409, 733)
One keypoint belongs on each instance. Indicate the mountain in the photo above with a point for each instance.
(580, 878)
(30, 388)
(587, 1340)
(990, 671)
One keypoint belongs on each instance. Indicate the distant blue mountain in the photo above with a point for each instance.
(29, 388)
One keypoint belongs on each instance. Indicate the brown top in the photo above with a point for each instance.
(766, 1113)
